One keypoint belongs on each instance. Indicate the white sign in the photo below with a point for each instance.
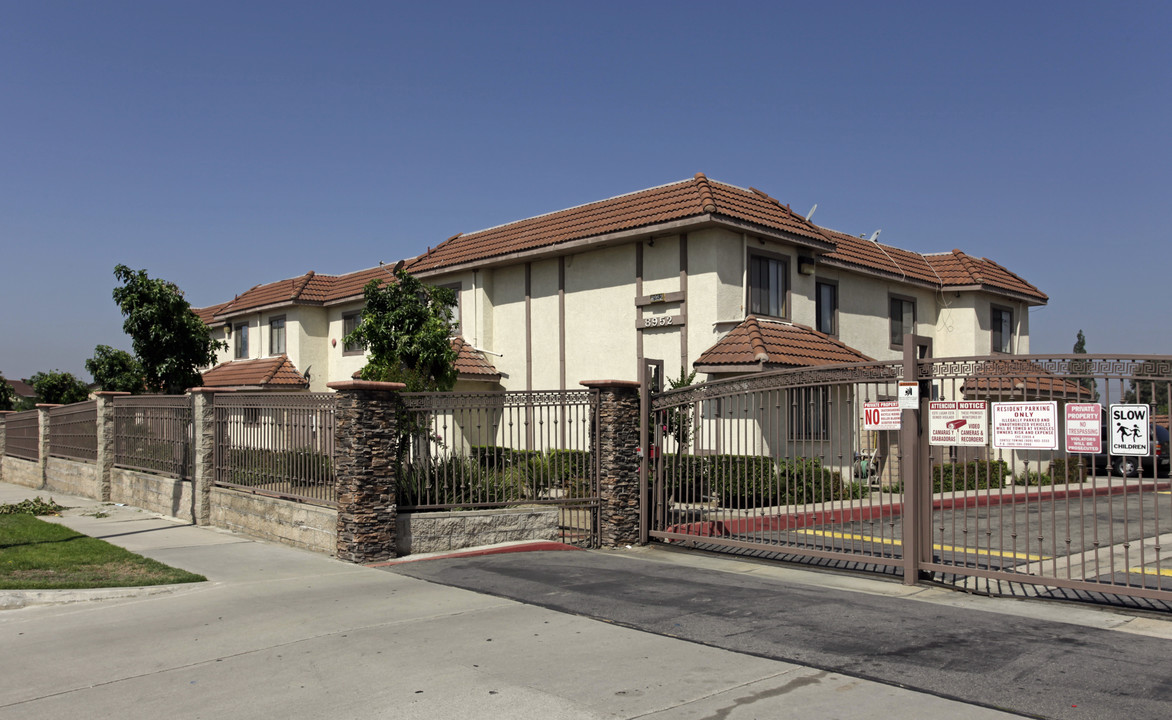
(1025, 425)
(1084, 426)
(1129, 430)
(963, 422)
(655, 321)
(882, 415)
(909, 395)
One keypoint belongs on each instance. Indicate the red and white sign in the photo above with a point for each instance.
(963, 422)
(1084, 422)
(1025, 425)
(883, 415)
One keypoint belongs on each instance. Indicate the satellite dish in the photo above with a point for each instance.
(874, 236)
(811, 213)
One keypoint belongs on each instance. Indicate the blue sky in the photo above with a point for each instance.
(221, 145)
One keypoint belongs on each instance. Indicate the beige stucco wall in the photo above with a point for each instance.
(600, 315)
(341, 366)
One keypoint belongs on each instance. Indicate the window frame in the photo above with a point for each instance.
(240, 342)
(284, 325)
(818, 285)
(809, 421)
(787, 289)
(347, 348)
(457, 327)
(891, 298)
(994, 311)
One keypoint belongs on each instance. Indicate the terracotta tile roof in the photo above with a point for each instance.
(471, 364)
(1017, 379)
(695, 197)
(273, 373)
(22, 388)
(308, 289)
(760, 342)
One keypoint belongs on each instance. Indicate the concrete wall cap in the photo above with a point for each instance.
(110, 393)
(209, 390)
(366, 385)
(49, 405)
(609, 383)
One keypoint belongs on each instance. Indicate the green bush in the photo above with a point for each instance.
(1060, 472)
(258, 466)
(975, 475)
(744, 481)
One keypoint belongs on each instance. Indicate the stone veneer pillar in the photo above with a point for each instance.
(105, 415)
(365, 422)
(203, 449)
(45, 427)
(618, 443)
(3, 434)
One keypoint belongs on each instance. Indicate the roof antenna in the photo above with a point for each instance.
(874, 235)
(811, 213)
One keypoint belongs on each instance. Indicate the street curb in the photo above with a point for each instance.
(516, 547)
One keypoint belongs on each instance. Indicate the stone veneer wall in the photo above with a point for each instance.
(310, 527)
(156, 493)
(618, 433)
(424, 532)
(22, 472)
(74, 477)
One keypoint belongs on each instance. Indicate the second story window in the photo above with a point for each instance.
(826, 307)
(277, 335)
(242, 341)
(349, 324)
(768, 285)
(455, 288)
(1002, 325)
(903, 319)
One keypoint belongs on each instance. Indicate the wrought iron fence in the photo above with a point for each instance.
(22, 435)
(278, 444)
(73, 431)
(153, 433)
(503, 449)
(776, 461)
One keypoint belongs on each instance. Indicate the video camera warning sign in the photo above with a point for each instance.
(1025, 425)
(1084, 422)
(881, 415)
(958, 423)
(1129, 430)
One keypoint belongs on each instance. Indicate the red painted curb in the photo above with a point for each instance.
(475, 552)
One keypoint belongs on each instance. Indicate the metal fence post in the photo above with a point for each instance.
(3, 440)
(914, 467)
(365, 468)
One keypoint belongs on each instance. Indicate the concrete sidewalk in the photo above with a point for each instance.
(281, 632)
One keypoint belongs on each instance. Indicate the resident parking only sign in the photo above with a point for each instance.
(1129, 430)
(1025, 425)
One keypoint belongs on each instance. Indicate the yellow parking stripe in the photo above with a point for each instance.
(1166, 572)
(942, 548)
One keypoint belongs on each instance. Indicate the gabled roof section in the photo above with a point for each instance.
(697, 197)
(275, 373)
(958, 268)
(471, 364)
(757, 343)
(308, 289)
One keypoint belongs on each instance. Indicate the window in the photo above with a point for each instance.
(455, 288)
(349, 324)
(242, 341)
(903, 319)
(277, 335)
(1002, 324)
(768, 285)
(826, 307)
(809, 413)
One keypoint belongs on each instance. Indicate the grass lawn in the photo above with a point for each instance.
(39, 555)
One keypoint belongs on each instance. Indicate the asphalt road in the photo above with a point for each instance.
(1013, 658)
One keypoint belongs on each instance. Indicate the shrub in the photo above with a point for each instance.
(1060, 472)
(975, 475)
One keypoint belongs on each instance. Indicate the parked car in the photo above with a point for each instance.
(1154, 465)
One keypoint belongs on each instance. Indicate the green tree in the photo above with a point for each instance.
(7, 394)
(115, 370)
(169, 340)
(1079, 367)
(406, 326)
(60, 388)
(679, 420)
